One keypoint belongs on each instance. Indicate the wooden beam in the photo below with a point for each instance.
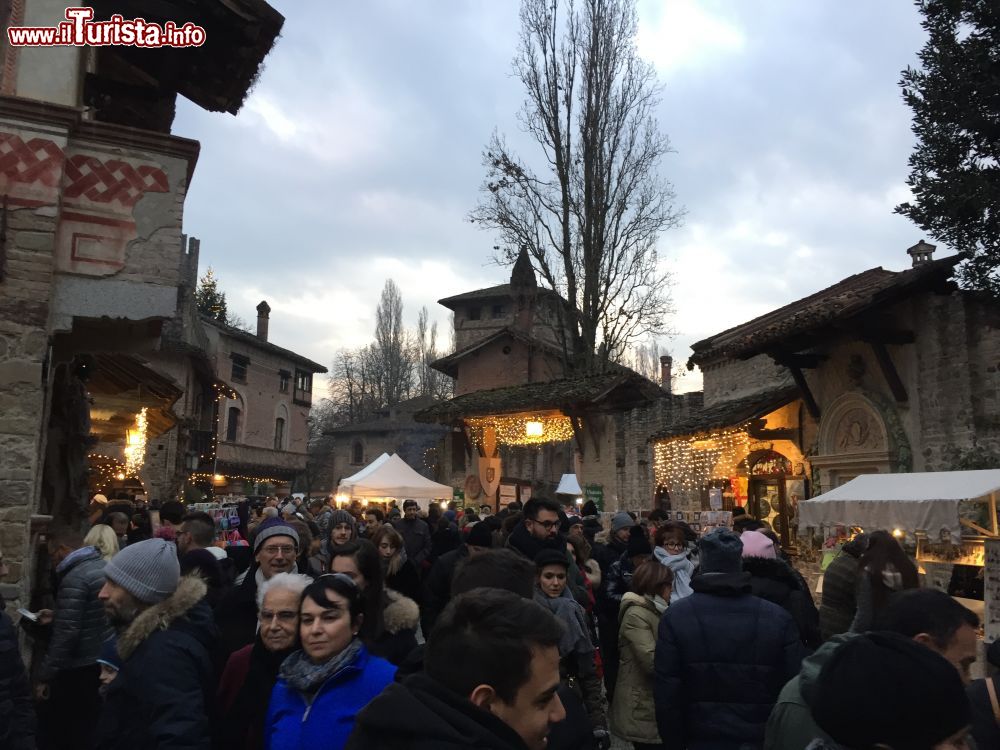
(577, 433)
(889, 371)
(888, 336)
(807, 396)
(975, 527)
(993, 514)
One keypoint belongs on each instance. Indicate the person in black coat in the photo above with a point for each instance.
(722, 656)
(774, 579)
(17, 713)
(437, 587)
(985, 721)
(168, 646)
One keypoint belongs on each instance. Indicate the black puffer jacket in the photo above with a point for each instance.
(437, 587)
(162, 696)
(17, 712)
(236, 614)
(79, 627)
(776, 581)
(722, 657)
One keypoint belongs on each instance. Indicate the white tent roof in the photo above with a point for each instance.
(392, 477)
(913, 502)
(365, 471)
(569, 485)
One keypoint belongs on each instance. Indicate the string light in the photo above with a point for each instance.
(690, 463)
(209, 476)
(520, 429)
(135, 444)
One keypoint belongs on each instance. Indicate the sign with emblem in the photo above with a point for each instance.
(489, 475)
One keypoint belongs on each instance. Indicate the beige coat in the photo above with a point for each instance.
(633, 716)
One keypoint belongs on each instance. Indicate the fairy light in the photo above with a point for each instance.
(514, 429)
(690, 463)
(135, 444)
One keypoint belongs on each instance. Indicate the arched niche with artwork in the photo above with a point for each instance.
(854, 439)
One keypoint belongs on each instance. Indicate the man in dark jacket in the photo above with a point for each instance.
(501, 694)
(840, 589)
(167, 639)
(607, 602)
(437, 588)
(722, 656)
(17, 714)
(539, 530)
(415, 532)
(275, 547)
(69, 678)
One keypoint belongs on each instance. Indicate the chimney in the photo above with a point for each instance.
(263, 314)
(666, 371)
(922, 252)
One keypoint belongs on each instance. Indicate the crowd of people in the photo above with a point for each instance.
(535, 627)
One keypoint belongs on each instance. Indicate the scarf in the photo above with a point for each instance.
(306, 677)
(568, 611)
(660, 603)
(683, 570)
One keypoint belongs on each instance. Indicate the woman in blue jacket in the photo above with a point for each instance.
(322, 687)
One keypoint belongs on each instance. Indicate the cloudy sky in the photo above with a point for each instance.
(358, 156)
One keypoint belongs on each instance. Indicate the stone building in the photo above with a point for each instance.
(884, 371)
(91, 251)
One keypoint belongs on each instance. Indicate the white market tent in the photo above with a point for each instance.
(391, 476)
(925, 501)
(569, 485)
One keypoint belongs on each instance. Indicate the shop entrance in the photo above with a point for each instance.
(767, 472)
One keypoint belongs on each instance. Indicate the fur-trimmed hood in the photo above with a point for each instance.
(190, 591)
(401, 612)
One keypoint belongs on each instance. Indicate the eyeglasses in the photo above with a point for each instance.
(285, 616)
(547, 525)
(284, 549)
(674, 545)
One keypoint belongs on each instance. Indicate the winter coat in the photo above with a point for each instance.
(17, 710)
(421, 714)
(437, 587)
(324, 720)
(985, 727)
(398, 636)
(633, 716)
(722, 657)
(244, 694)
(618, 579)
(791, 725)
(406, 581)
(162, 696)
(79, 627)
(840, 595)
(775, 580)
(416, 538)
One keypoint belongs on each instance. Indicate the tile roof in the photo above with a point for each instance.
(259, 343)
(501, 291)
(449, 364)
(615, 389)
(729, 413)
(847, 298)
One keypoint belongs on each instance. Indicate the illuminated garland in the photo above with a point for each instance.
(689, 463)
(519, 429)
(135, 445)
(212, 477)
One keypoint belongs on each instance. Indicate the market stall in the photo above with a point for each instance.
(926, 502)
(391, 477)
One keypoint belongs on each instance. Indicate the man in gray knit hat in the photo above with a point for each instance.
(166, 636)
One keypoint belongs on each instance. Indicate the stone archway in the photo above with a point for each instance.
(853, 440)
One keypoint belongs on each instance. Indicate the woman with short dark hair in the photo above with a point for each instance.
(322, 687)
(390, 623)
(399, 573)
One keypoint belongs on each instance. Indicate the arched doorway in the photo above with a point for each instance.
(767, 471)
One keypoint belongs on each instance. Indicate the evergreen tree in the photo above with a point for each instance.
(955, 168)
(211, 300)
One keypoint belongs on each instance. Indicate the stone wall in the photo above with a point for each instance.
(503, 363)
(730, 379)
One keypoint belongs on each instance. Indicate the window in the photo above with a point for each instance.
(303, 387)
(357, 453)
(499, 311)
(233, 424)
(240, 365)
(279, 434)
(474, 313)
(283, 378)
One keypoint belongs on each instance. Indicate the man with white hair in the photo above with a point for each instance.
(251, 672)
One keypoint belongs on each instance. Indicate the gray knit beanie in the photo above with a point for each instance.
(148, 570)
(621, 520)
(720, 551)
(273, 527)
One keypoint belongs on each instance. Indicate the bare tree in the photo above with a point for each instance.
(393, 349)
(430, 382)
(590, 218)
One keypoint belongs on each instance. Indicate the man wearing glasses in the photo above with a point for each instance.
(275, 548)
(539, 531)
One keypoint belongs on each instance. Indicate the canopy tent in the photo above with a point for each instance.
(569, 485)
(391, 476)
(926, 501)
